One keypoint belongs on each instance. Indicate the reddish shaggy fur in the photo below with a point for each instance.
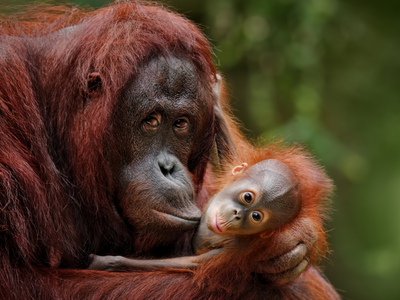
(55, 185)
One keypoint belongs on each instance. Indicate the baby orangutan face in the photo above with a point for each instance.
(264, 197)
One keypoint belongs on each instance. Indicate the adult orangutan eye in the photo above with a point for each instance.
(248, 197)
(181, 124)
(256, 216)
(152, 121)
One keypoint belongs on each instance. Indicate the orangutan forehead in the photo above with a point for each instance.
(274, 177)
(269, 167)
(170, 86)
(171, 77)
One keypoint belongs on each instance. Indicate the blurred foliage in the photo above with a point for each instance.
(324, 73)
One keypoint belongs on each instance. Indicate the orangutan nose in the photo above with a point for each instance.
(167, 163)
(238, 213)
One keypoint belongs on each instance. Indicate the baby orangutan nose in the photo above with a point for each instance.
(238, 214)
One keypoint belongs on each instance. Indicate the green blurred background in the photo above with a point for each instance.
(325, 73)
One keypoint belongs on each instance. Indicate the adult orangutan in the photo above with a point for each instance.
(103, 115)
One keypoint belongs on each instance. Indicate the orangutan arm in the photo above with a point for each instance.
(124, 264)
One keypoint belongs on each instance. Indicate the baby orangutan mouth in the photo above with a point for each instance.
(216, 228)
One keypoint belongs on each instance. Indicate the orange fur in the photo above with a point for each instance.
(232, 270)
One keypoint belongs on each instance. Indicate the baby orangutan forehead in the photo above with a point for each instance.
(275, 179)
(280, 191)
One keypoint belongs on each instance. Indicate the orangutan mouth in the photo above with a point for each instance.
(191, 221)
(215, 225)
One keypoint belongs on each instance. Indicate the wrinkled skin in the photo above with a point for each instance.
(151, 175)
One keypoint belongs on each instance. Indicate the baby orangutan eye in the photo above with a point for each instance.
(256, 216)
(247, 197)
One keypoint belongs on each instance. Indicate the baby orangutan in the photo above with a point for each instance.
(261, 198)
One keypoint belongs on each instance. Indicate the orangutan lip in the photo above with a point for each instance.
(192, 221)
(216, 227)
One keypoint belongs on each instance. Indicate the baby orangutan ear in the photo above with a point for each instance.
(94, 84)
(239, 169)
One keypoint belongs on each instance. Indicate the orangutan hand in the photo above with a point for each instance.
(287, 267)
(294, 259)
